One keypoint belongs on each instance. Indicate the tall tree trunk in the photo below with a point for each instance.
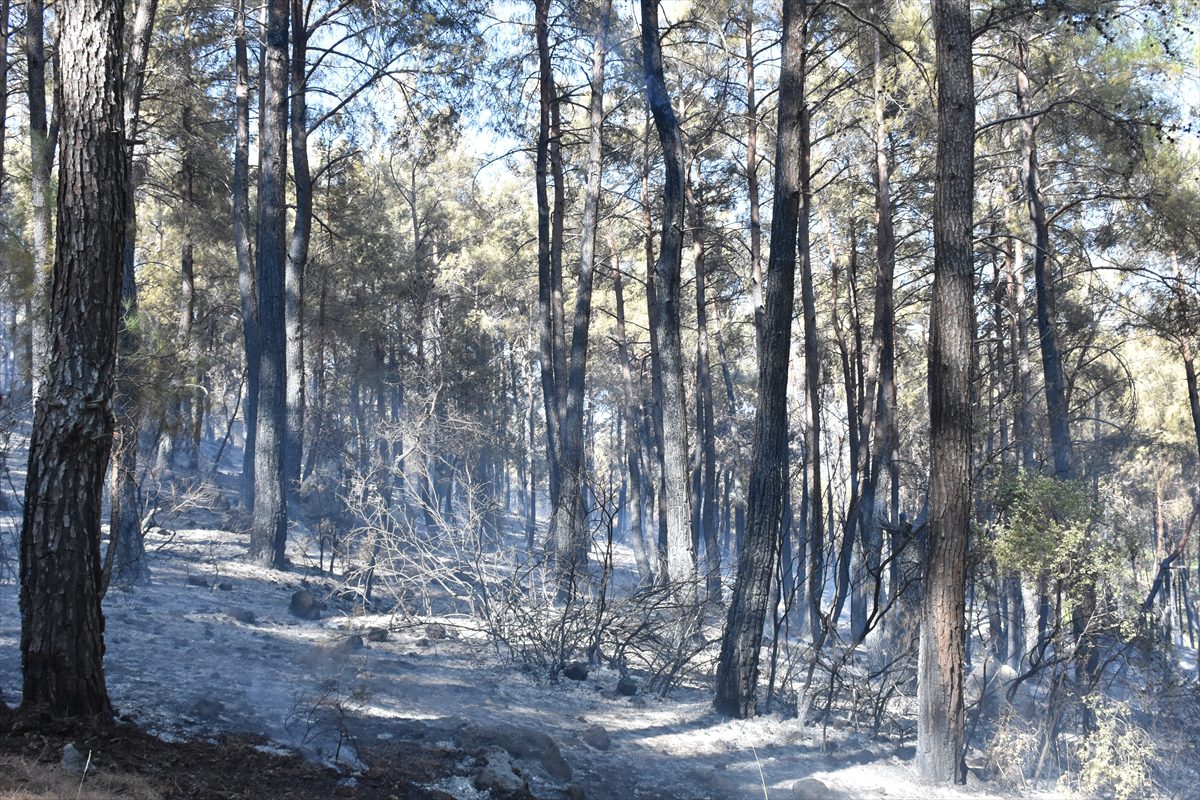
(569, 521)
(268, 535)
(297, 254)
(245, 262)
(812, 382)
(62, 627)
(737, 667)
(631, 415)
(654, 431)
(177, 432)
(550, 376)
(41, 156)
(1086, 656)
(1056, 404)
(756, 276)
(125, 530)
(704, 496)
(881, 363)
(681, 556)
(952, 330)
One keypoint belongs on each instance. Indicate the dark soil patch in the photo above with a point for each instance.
(230, 767)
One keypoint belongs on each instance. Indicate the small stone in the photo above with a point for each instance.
(498, 775)
(72, 759)
(197, 580)
(627, 686)
(242, 615)
(225, 586)
(349, 644)
(435, 631)
(304, 605)
(576, 671)
(596, 737)
(813, 789)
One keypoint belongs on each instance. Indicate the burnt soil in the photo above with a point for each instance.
(230, 767)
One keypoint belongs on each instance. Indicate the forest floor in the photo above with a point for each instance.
(224, 693)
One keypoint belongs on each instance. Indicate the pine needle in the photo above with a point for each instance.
(762, 779)
(83, 777)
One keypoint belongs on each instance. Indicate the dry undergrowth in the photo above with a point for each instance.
(25, 779)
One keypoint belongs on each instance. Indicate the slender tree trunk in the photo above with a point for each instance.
(654, 431)
(1056, 404)
(177, 431)
(41, 161)
(1052, 371)
(569, 521)
(812, 382)
(268, 535)
(756, 276)
(297, 254)
(631, 414)
(245, 261)
(62, 627)
(704, 480)
(737, 667)
(681, 556)
(952, 329)
(1189, 367)
(881, 363)
(125, 530)
(848, 585)
(550, 377)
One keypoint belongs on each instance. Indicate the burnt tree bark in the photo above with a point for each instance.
(549, 289)
(241, 244)
(41, 160)
(569, 521)
(268, 534)
(752, 194)
(737, 668)
(704, 479)
(297, 254)
(881, 363)
(631, 416)
(681, 555)
(128, 557)
(62, 626)
(952, 329)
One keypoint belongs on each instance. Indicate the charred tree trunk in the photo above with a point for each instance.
(681, 556)
(297, 254)
(569, 521)
(631, 414)
(737, 668)
(705, 480)
(41, 160)
(125, 530)
(551, 377)
(268, 535)
(952, 330)
(62, 627)
(881, 364)
(245, 263)
(756, 276)
(815, 533)
(1058, 416)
